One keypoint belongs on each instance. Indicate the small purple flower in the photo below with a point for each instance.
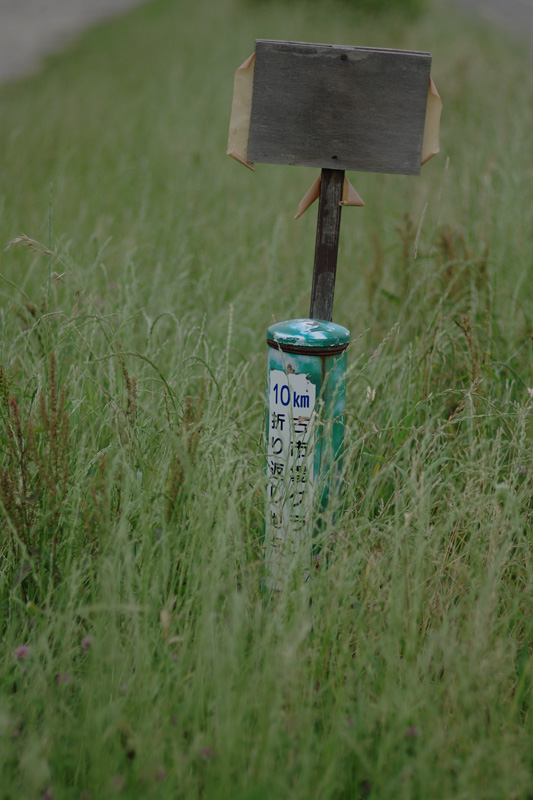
(86, 643)
(22, 651)
(48, 795)
(351, 722)
(207, 753)
(412, 733)
(17, 730)
(522, 469)
(63, 677)
(174, 656)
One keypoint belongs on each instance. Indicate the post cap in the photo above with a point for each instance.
(318, 336)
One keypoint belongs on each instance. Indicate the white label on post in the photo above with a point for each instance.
(290, 457)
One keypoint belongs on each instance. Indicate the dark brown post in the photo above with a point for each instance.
(327, 244)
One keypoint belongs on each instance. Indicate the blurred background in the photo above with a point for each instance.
(30, 29)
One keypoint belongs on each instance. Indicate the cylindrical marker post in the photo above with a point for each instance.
(305, 435)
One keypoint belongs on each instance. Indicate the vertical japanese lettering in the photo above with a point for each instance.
(289, 473)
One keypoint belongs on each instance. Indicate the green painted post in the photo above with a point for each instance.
(305, 437)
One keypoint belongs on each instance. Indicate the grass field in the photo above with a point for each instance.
(139, 657)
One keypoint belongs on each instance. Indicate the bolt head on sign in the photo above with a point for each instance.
(335, 107)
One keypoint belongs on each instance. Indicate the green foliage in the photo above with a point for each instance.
(409, 9)
(139, 656)
(34, 480)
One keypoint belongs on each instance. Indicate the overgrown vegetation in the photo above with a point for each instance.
(406, 9)
(139, 656)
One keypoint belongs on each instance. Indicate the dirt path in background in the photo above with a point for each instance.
(31, 29)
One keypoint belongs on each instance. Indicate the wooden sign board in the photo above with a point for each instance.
(337, 107)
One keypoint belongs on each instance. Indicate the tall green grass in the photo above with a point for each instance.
(139, 656)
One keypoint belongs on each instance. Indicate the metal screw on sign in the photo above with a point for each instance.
(336, 108)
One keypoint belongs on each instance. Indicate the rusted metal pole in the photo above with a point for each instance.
(327, 244)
